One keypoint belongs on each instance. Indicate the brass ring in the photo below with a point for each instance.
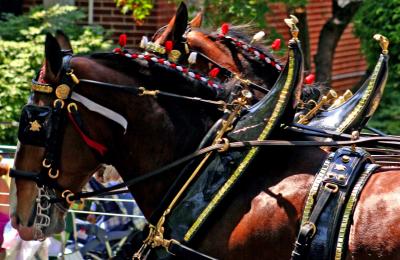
(46, 164)
(70, 105)
(58, 100)
(69, 72)
(225, 147)
(332, 187)
(68, 198)
(55, 176)
(314, 228)
(65, 193)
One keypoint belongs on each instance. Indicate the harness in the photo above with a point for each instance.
(42, 126)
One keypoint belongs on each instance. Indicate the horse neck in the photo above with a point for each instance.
(159, 131)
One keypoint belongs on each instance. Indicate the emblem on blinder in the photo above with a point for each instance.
(62, 91)
(35, 126)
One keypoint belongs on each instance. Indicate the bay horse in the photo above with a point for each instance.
(258, 221)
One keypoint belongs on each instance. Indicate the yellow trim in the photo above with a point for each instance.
(313, 191)
(349, 209)
(361, 104)
(280, 104)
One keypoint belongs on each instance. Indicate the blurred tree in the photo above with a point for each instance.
(383, 17)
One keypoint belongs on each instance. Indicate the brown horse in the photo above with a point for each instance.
(258, 221)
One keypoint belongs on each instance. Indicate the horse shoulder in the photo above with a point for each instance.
(375, 232)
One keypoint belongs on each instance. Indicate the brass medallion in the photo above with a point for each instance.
(174, 55)
(35, 126)
(62, 91)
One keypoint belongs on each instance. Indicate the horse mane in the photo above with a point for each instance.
(149, 74)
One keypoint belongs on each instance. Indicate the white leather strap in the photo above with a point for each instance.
(93, 106)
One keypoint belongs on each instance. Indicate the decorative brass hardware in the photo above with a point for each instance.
(226, 145)
(355, 135)
(174, 55)
(53, 176)
(305, 119)
(62, 91)
(67, 194)
(345, 158)
(58, 101)
(145, 92)
(46, 164)
(43, 88)
(340, 167)
(342, 99)
(35, 126)
(73, 76)
(72, 105)
(154, 47)
(291, 23)
(313, 227)
(383, 42)
(332, 187)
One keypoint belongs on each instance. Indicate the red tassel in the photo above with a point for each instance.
(224, 28)
(168, 46)
(100, 148)
(214, 72)
(276, 45)
(122, 40)
(309, 79)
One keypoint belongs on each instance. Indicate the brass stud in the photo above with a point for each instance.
(345, 158)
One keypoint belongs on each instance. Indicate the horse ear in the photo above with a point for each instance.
(53, 57)
(63, 40)
(176, 26)
(197, 20)
(181, 22)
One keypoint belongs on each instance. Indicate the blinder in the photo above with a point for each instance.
(35, 125)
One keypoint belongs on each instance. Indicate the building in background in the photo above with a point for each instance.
(348, 66)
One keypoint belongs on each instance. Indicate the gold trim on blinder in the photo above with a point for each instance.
(43, 88)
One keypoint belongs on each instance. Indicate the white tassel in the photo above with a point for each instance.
(144, 42)
(258, 36)
(192, 58)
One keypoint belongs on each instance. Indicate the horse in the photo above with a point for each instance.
(266, 209)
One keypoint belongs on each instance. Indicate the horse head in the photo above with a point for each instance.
(89, 110)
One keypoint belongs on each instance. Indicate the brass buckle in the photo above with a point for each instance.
(145, 92)
(313, 227)
(331, 187)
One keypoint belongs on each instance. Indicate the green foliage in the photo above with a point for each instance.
(383, 17)
(139, 9)
(22, 54)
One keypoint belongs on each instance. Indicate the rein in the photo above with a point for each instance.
(222, 148)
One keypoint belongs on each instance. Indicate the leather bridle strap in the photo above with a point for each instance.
(140, 91)
(224, 146)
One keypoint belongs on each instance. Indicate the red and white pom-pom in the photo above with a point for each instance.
(169, 45)
(276, 45)
(122, 40)
(214, 72)
(224, 28)
(309, 79)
